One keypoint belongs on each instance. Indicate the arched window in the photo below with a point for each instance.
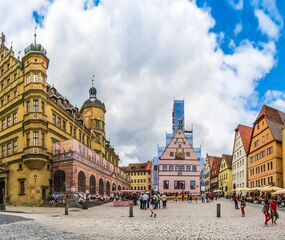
(101, 186)
(108, 187)
(92, 185)
(114, 187)
(81, 182)
(59, 181)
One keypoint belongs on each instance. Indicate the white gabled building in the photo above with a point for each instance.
(240, 150)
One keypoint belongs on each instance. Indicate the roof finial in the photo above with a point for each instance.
(93, 76)
(19, 55)
(11, 48)
(35, 35)
(3, 39)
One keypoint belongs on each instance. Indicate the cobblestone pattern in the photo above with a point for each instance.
(6, 219)
(178, 221)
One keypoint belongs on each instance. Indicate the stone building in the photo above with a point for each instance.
(140, 175)
(265, 150)
(77, 168)
(240, 151)
(179, 167)
(34, 116)
(225, 175)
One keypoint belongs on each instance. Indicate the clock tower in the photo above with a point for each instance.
(93, 113)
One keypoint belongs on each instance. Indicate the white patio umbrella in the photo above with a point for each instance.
(270, 189)
(280, 191)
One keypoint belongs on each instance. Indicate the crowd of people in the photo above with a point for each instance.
(152, 201)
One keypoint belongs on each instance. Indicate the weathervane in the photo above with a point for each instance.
(93, 76)
(35, 34)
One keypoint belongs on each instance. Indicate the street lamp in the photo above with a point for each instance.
(35, 178)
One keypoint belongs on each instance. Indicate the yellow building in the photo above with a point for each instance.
(140, 175)
(33, 116)
(265, 152)
(225, 174)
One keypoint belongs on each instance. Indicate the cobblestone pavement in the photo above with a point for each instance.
(6, 219)
(178, 221)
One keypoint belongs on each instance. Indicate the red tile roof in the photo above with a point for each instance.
(245, 135)
(275, 119)
(138, 167)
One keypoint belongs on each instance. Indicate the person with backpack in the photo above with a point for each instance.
(152, 204)
(242, 206)
(265, 211)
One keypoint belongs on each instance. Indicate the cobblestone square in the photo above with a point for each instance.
(181, 220)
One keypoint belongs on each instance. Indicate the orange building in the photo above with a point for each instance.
(265, 151)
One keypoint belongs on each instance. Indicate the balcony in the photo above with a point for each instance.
(35, 116)
(35, 157)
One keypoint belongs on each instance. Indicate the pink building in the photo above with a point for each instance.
(179, 168)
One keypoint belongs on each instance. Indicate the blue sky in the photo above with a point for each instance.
(227, 17)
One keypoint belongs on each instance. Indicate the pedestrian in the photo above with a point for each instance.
(265, 211)
(141, 201)
(145, 200)
(164, 200)
(273, 210)
(242, 206)
(158, 200)
(152, 203)
(235, 197)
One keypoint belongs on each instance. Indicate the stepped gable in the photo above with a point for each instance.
(275, 119)
(245, 135)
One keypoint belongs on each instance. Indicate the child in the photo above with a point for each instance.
(242, 206)
(265, 210)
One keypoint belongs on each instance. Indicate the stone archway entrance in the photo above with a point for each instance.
(113, 187)
(119, 187)
(92, 188)
(59, 181)
(81, 182)
(101, 186)
(2, 191)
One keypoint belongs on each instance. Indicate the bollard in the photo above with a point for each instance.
(66, 208)
(131, 214)
(218, 210)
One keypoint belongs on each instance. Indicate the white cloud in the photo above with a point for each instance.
(143, 54)
(236, 4)
(266, 25)
(275, 99)
(238, 29)
(270, 8)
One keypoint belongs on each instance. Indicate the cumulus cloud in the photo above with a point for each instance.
(145, 53)
(266, 25)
